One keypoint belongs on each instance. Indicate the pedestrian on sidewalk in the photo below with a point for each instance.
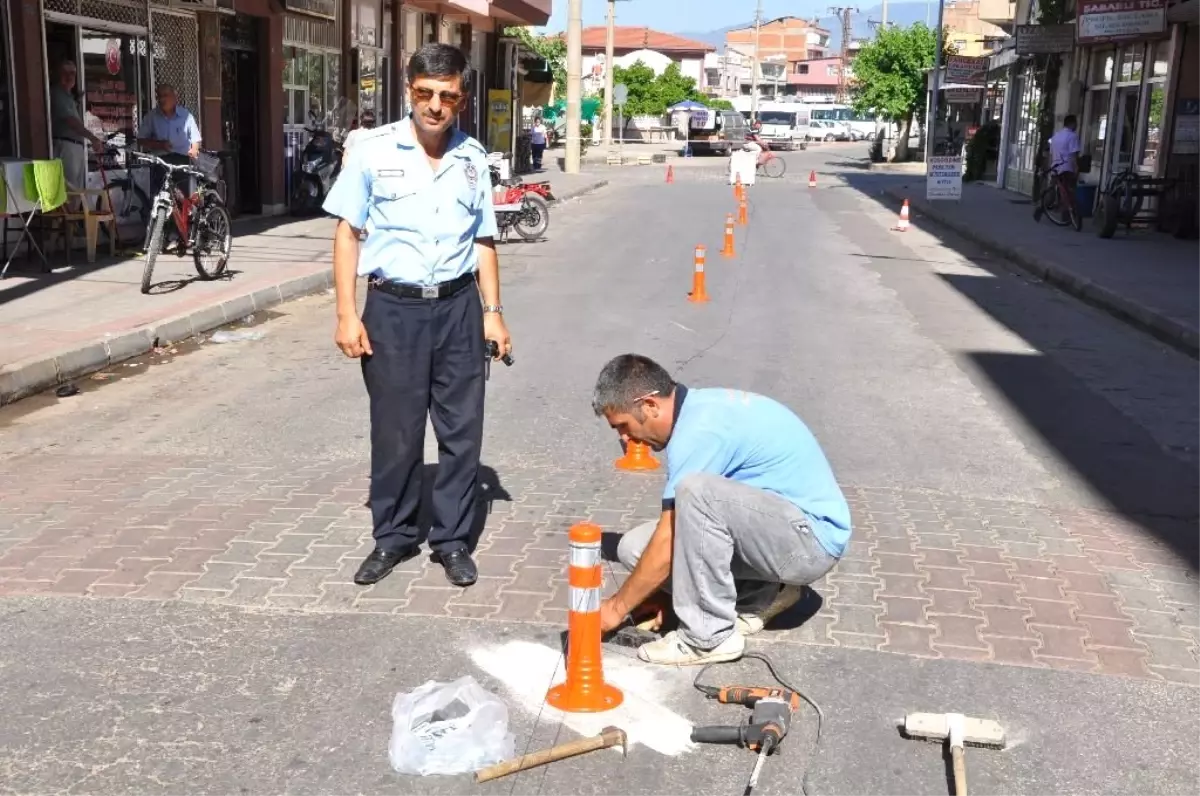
(751, 512)
(1064, 159)
(537, 142)
(67, 127)
(433, 299)
(171, 131)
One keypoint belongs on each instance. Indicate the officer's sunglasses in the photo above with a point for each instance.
(426, 95)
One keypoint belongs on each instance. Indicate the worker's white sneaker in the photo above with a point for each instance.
(671, 650)
(749, 624)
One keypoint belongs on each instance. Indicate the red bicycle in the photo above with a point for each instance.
(1057, 203)
(201, 220)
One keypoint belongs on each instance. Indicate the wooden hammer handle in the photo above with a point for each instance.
(551, 755)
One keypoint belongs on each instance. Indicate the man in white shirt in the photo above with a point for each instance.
(537, 142)
(1064, 156)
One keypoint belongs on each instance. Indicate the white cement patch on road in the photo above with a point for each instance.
(527, 670)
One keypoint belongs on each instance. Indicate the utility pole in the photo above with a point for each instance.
(885, 13)
(608, 73)
(754, 67)
(931, 118)
(574, 82)
(844, 15)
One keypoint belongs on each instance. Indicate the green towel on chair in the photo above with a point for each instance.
(46, 182)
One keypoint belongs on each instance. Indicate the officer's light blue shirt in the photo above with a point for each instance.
(759, 442)
(179, 129)
(421, 226)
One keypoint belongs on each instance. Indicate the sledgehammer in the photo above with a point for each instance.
(611, 736)
(957, 730)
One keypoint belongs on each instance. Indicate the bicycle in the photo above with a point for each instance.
(768, 164)
(1057, 204)
(133, 203)
(200, 220)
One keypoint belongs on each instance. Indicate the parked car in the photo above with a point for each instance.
(827, 130)
(716, 132)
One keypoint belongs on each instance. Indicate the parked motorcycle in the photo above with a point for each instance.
(523, 206)
(320, 164)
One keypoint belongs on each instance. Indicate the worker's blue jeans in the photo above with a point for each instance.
(734, 545)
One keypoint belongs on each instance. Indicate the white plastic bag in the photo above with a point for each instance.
(449, 728)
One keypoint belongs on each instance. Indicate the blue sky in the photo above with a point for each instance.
(672, 16)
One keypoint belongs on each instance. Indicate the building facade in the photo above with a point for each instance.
(1131, 78)
(653, 48)
(970, 32)
(256, 74)
(792, 38)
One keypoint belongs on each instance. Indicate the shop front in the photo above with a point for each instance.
(312, 77)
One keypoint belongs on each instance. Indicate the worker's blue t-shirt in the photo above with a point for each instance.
(759, 442)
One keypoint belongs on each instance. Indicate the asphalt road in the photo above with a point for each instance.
(924, 366)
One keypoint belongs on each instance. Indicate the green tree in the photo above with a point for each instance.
(890, 74)
(552, 48)
(651, 94)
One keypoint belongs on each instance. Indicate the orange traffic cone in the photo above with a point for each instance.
(670, 174)
(903, 225)
(812, 179)
(699, 294)
(738, 187)
(637, 457)
(727, 250)
(584, 690)
(742, 217)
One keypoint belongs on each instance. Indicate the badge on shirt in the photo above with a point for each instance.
(472, 175)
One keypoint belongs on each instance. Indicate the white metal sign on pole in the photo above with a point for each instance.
(620, 97)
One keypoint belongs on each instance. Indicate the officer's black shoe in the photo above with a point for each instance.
(460, 569)
(376, 566)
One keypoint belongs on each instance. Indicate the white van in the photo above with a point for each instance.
(784, 128)
(861, 127)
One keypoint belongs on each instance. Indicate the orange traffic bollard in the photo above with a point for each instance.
(637, 457)
(699, 294)
(670, 174)
(903, 225)
(812, 179)
(742, 217)
(727, 250)
(584, 690)
(737, 187)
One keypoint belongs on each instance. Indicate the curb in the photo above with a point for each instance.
(1168, 330)
(30, 376)
(582, 190)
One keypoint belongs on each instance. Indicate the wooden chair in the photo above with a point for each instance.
(92, 218)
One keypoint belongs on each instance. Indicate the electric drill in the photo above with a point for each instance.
(770, 720)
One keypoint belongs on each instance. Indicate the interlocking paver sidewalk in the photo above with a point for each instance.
(1148, 278)
(927, 574)
(58, 326)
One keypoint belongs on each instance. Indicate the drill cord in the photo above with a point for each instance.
(710, 692)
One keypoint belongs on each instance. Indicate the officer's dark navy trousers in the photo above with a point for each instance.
(428, 360)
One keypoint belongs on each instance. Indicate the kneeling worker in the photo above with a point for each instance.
(751, 512)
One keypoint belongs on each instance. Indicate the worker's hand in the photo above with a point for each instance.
(97, 145)
(351, 337)
(612, 615)
(494, 329)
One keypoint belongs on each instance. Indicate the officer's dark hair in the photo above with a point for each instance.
(1070, 121)
(440, 61)
(625, 380)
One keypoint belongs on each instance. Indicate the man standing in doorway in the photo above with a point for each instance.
(67, 127)
(433, 298)
(171, 131)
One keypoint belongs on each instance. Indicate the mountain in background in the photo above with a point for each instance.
(862, 25)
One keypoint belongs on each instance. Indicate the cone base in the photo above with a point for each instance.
(701, 298)
(626, 463)
(597, 700)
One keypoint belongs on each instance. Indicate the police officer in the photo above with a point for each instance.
(421, 189)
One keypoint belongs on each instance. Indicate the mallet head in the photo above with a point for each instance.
(617, 732)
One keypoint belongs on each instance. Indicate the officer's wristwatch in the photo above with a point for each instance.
(496, 308)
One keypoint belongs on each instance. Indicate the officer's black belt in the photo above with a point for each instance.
(439, 291)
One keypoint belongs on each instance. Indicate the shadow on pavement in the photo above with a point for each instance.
(1135, 475)
(39, 280)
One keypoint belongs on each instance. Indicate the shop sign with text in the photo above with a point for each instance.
(1120, 20)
